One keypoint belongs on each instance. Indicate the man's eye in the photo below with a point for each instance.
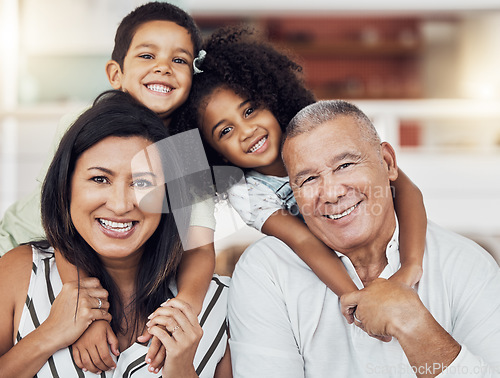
(308, 180)
(224, 131)
(146, 56)
(142, 184)
(100, 179)
(345, 165)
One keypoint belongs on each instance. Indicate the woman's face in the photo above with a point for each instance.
(108, 182)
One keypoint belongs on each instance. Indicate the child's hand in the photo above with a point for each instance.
(155, 357)
(408, 274)
(91, 350)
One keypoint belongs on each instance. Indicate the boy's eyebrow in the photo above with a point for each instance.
(152, 45)
(223, 120)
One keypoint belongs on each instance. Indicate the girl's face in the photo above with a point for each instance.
(245, 136)
(157, 69)
(107, 184)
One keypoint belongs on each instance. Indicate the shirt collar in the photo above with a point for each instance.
(391, 252)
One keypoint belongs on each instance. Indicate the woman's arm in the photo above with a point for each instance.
(321, 259)
(59, 330)
(410, 209)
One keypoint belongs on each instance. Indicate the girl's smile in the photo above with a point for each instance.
(247, 137)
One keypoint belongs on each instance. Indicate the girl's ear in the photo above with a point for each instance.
(114, 74)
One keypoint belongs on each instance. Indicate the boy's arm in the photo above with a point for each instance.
(197, 267)
(412, 218)
(321, 259)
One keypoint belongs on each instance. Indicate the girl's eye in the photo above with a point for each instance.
(225, 130)
(248, 112)
(180, 60)
(146, 56)
(100, 180)
(142, 183)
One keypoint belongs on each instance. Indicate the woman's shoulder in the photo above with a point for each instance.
(19, 258)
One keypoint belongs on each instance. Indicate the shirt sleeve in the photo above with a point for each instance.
(22, 221)
(262, 340)
(474, 284)
(253, 201)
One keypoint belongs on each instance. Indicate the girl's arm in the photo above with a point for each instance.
(412, 218)
(321, 259)
(197, 267)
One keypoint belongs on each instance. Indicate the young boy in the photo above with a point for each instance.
(155, 47)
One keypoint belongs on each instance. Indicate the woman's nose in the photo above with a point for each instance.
(121, 199)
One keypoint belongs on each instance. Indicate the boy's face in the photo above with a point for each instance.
(157, 69)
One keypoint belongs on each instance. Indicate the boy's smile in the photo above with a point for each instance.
(157, 69)
(247, 137)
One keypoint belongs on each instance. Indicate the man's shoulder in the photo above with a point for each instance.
(452, 247)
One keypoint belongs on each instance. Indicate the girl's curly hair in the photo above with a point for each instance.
(238, 60)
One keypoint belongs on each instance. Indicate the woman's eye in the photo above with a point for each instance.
(146, 56)
(180, 60)
(224, 131)
(143, 183)
(249, 111)
(100, 179)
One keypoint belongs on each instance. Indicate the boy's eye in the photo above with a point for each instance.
(100, 180)
(180, 60)
(225, 130)
(142, 183)
(146, 56)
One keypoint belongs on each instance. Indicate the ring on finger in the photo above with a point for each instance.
(355, 317)
(100, 303)
(175, 329)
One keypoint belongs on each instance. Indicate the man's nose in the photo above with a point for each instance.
(121, 199)
(331, 189)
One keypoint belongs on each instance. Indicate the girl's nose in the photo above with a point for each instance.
(247, 130)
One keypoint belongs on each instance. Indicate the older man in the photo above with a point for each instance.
(284, 322)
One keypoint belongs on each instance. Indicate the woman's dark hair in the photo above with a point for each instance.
(236, 59)
(153, 11)
(114, 113)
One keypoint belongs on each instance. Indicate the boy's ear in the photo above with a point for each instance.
(114, 74)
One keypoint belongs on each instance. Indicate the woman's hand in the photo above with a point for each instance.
(74, 309)
(176, 326)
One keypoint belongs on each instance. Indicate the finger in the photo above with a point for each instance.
(104, 360)
(185, 308)
(159, 359)
(112, 341)
(76, 357)
(88, 364)
(153, 350)
(98, 360)
(167, 341)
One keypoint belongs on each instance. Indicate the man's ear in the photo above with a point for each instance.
(114, 74)
(389, 156)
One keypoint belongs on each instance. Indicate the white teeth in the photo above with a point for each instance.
(116, 226)
(159, 88)
(259, 144)
(338, 216)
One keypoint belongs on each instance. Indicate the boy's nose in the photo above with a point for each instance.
(163, 68)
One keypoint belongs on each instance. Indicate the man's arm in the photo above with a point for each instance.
(262, 341)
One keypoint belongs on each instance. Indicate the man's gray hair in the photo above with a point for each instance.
(324, 111)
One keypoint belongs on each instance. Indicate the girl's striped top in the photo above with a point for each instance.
(45, 285)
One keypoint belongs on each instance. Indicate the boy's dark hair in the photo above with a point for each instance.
(114, 113)
(154, 11)
(253, 69)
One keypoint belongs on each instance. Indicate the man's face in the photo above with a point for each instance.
(342, 185)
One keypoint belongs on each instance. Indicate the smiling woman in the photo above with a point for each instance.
(107, 165)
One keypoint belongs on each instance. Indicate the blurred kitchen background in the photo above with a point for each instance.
(426, 72)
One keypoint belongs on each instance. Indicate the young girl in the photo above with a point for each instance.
(241, 102)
